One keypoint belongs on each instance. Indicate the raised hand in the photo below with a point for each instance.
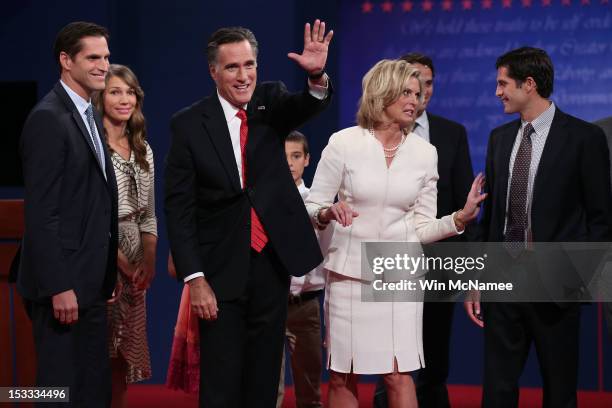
(474, 198)
(316, 43)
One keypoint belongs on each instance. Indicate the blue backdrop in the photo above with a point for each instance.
(164, 44)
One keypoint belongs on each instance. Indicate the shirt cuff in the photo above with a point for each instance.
(318, 91)
(193, 276)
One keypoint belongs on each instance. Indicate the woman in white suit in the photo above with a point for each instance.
(385, 179)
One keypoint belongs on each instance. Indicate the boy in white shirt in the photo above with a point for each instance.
(303, 314)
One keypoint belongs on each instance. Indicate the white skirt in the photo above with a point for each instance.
(366, 337)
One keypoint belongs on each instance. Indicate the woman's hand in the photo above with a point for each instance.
(171, 267)
(144, 274)
(125, 266)
(472, 203)
(341, 212)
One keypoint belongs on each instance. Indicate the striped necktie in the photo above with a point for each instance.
(94, 138)
(259, 239)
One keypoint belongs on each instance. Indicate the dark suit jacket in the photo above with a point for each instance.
(571, 194)
(606, 125)
(208, 212)
(454, 167)
(70, 238)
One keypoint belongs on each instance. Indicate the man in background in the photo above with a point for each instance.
(606, 125)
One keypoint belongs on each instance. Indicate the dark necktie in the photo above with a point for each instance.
(259, 239)
(516, 226)
(95, 140)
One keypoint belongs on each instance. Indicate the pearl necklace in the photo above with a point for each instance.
(391, 151)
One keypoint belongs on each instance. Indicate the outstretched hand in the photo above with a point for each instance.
(316, 43)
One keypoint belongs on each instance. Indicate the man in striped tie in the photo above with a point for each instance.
(233, 213)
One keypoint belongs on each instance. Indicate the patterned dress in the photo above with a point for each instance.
(127, 314)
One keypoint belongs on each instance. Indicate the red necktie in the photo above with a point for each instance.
(259, 239)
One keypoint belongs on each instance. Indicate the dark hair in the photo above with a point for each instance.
(136, 127)
(68, 40)
(529, 62)
(298, 137)
(228, 35)
(418, 58)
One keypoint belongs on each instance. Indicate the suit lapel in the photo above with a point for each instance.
(254, 115)
(213, 120)
(434, 132)
(78, 119)
(505, 151)
(555, 142)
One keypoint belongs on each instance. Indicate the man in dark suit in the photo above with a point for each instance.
(606, 125)
(68, 257)
(233, 213)
(548, 180)
(456, 176)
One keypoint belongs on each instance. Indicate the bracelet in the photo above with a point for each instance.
(316, 75)
(460, 225)
(320, 225)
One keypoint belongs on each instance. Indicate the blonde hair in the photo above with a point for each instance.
(136, 126)
(381, 86)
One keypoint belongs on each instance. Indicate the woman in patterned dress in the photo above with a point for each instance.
(121, 106)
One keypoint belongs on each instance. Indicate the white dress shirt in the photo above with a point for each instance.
(421, 126)
(541, 126)
(315, 279)
(82, 105)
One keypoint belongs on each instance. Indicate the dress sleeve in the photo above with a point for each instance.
(428, 228)
(328, 177)
(148, 222)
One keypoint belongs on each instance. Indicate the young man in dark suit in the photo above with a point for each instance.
(233, 213)
(456, 176)
(68, 257)
(548, 180)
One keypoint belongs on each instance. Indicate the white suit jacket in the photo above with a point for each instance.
(394, 204)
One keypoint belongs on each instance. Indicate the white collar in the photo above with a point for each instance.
(423, 121)
(229, 110)
(80, 103)
(302, 187)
